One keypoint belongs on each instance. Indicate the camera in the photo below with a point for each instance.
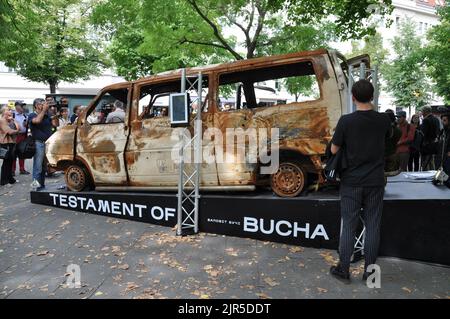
(106, 108)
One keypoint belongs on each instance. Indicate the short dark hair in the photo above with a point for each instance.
(445, 115)
(363, 91)
(75, 108)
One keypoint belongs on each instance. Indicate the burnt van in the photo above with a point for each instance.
(123, 141)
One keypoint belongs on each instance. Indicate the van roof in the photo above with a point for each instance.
(222, 67)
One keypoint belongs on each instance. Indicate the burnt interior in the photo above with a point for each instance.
(247, 78)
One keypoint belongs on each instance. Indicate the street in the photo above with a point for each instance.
(125, 259)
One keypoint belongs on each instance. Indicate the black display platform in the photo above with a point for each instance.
(415, 224)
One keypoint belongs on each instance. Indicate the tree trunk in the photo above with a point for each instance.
(52, 84)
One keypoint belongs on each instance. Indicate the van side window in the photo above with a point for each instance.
(265, 87)
(111, 108)
(154, 98)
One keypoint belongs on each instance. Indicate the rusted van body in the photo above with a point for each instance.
(136, 154)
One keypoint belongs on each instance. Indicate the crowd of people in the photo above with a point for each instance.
(47, 117)
(422, 144)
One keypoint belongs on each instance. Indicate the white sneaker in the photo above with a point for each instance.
(35, 184)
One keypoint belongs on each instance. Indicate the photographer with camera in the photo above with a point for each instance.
(22, 120)
(41, 129)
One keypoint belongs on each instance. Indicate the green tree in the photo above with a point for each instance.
(406, 74)
(120, 23)
(178, 33)
(54, 44)
(438, 54)
(373, 46)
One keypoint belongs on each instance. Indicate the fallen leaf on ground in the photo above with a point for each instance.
(407, 290)
(123, 267)
(29, 255)
(204, 297)
(131, 286)
(263, 296)
(65, 223)
(42, 253)
(296, 249)
(44, 288)
(99, 293)
(47, 210)
(271, 282)
(231, 252)
(329, 259)
(322, 290)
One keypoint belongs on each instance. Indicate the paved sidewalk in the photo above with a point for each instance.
(124, 259)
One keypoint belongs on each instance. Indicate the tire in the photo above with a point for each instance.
(76, 177)
(289, 180)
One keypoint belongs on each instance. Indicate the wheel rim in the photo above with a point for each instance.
(289, 180)
(75, 178)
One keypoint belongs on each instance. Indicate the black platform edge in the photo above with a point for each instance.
(417, 229)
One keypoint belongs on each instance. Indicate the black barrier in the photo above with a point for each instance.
(411, 228)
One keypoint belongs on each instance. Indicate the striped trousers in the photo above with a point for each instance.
(367, 201)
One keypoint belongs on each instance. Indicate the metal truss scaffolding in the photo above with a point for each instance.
(354, 75)
(189, 173)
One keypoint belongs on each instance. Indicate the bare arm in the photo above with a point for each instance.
(335, 148)
(6, 129)
(40, 116)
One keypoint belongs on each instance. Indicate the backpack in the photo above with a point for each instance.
(26, 148)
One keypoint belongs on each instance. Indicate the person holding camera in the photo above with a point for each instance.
(41, 130)
(22, 120)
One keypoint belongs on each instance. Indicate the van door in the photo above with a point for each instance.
(149, 154)
(102, 136)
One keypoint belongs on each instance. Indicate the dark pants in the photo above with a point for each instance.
(353, 199)
(414, 159)
(19, 138)
(6, 174)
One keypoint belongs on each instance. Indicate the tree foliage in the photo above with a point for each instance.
(438, 54)
(179, 33)
(406, 74)
(51, 42)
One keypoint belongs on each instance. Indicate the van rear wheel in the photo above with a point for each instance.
(76, 178)
(289, 180)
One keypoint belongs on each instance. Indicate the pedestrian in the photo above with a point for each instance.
(406, 140)
(444, 142)
(362, 136)
(76, 112)
(430, 128)
(21, 118)
(8, 132)
(63, 117)
(414, 148)
(41, 130)
(391, 162)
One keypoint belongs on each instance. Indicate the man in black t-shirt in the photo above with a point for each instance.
(361, 135)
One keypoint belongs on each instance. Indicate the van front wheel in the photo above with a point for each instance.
(76, 178)
(289, 180)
